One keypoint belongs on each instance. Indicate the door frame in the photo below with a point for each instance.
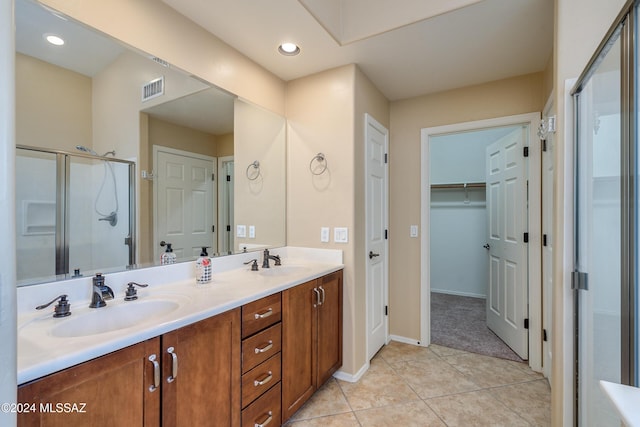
(370, 121)
(221, 190)
(159, 148)
(534, 257)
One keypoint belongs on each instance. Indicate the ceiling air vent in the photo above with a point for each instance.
(160, 61)
(153, 89)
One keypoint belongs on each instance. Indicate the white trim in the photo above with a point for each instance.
(404, 340)
(534, 228)
(369, 120)
(342, 375)
(457, 293)
(220, 194)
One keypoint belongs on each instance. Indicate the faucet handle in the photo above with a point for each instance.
(62, 309)
(132, 292)
(254, 264)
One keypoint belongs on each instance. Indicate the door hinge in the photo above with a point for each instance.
(386, 234)
(386, 310)
(213, 228)
(213, 177)
(544, 240)
(580, 280)
(526, 323)
(228, 228)
(228, 178)
(544, 145)
(526, 151)
(544, 335)
(386, 158)
(526, 237)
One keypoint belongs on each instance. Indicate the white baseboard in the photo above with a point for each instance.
(457, 293)
(341, 375)
(404, 340)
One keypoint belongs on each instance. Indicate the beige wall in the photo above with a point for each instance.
(155, 28)
(507, 97)
(333, 123)
(225, 145)
(580, 26)
(259, 135)
(53, 105)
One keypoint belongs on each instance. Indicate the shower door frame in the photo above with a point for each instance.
(63, 173)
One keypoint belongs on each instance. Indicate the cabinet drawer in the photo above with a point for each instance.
(261, 314)
(264, 411)
(260, 379)
(261, 346)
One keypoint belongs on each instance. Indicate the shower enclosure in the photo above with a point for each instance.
(74, 214)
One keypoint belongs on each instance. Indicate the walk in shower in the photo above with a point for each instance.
(75, 213)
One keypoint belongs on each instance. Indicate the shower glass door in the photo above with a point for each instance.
(599, 234)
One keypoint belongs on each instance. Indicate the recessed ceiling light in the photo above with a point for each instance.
(54, 39)
(289, 49)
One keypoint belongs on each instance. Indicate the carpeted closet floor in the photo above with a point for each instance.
(460, 322)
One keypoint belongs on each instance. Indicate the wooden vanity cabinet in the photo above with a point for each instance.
(111, 390)
(202, 388)
(311, 339)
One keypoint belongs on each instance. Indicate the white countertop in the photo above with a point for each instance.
(625, 399)
(41, 352)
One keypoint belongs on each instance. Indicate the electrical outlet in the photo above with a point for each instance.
(341, 235)
(241, 231)
(324, 234)
(252, 231)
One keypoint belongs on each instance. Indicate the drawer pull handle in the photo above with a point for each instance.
(156, 373)
(174, 365)
(268, 312)
(258, 383)
(266, 421)
(265, 348)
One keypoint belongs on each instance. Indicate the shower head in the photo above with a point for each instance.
(86, 149)
(112, 152)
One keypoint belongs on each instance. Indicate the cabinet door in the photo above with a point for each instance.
(201, 373)
(299, 346)
(112, 390)
(329, 326)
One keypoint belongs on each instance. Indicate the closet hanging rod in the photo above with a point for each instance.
(463, 185)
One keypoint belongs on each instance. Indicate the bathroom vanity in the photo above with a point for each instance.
(248, 349)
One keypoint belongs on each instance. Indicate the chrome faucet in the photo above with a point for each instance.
(100, 292)
(267, 257)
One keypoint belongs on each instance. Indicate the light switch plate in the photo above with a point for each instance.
(252, 231)
(324, 234)
(241, 231)
(413, 231)
(341, 235)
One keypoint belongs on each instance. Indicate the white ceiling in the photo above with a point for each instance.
(484, 41)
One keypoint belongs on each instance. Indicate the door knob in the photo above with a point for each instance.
(487, 247)
(372, 255)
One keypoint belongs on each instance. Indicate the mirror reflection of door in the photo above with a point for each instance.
(185, 200)
(225, 205)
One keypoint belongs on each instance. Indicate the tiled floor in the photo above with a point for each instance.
(437, 386)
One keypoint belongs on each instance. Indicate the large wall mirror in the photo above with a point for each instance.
(208, 168)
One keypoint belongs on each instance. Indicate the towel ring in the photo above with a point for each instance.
(321, 159)
(256, 166)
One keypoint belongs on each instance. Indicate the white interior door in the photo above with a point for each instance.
(507, 219)
(184, 203)
(376, 141)
(225, 205)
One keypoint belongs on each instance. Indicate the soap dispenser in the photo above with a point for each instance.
(168, 257)
(203, 267)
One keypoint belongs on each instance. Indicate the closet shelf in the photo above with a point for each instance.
(461, 186)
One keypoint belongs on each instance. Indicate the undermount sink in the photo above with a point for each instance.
(283, 270)
(113, 318)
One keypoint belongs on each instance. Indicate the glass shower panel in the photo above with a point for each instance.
(35, 215)
(98, 211)
(599, 237)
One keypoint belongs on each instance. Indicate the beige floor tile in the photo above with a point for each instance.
(531, 400)
(341, 420)
(398, 352)
(431, 378)
(411, 414)
(328, 400)
(379, 386)
(476, 409)
(445, 351)
(488, 371)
